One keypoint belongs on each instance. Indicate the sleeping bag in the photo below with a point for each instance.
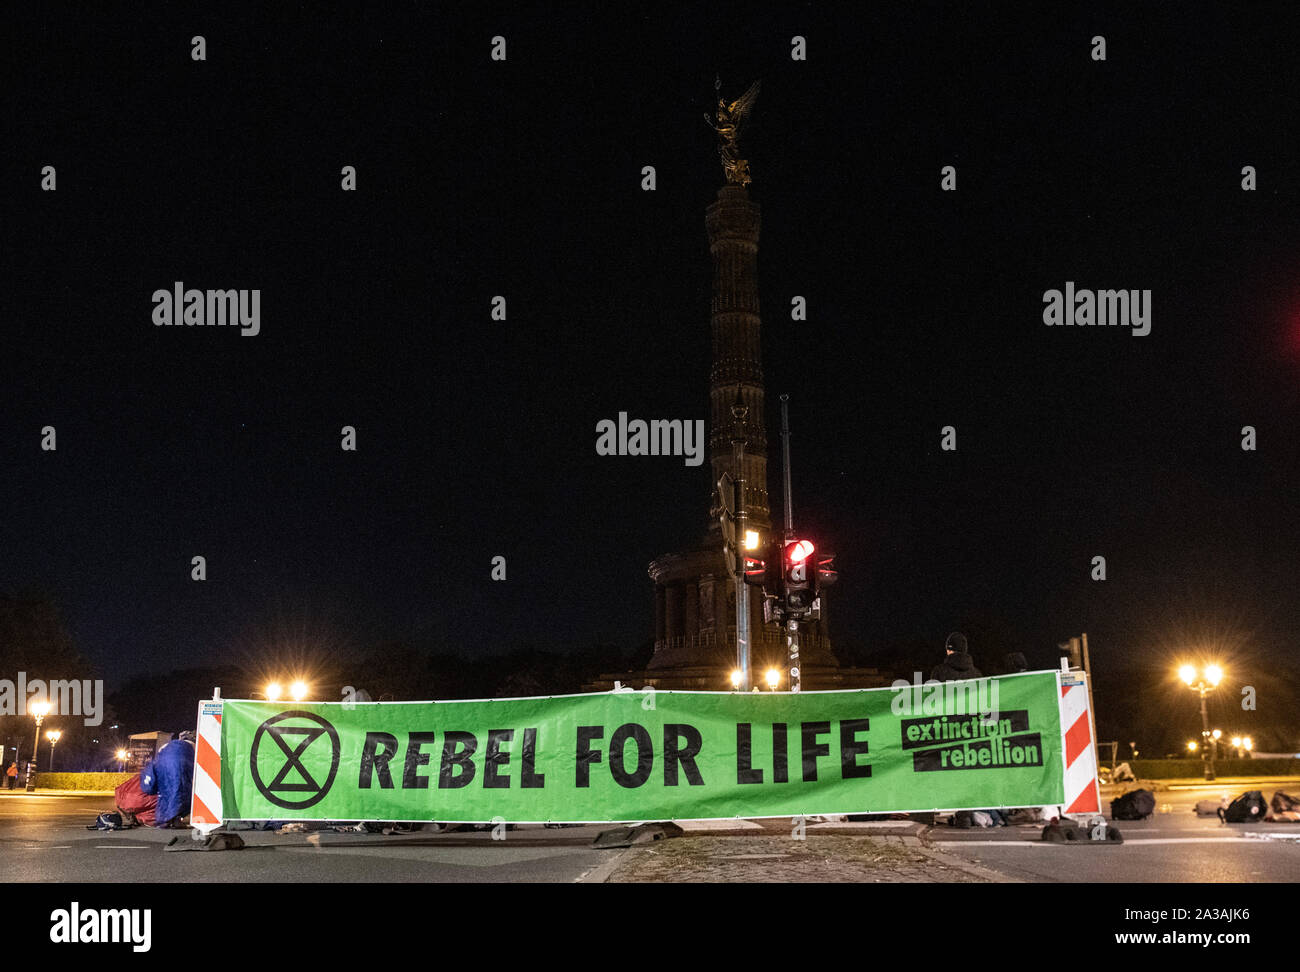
(170, 775)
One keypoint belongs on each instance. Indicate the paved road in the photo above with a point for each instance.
(44, 838)
(1174, 846)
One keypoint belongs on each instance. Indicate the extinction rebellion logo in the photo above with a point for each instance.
(285, 749)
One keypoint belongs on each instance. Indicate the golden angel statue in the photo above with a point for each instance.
(730, 117)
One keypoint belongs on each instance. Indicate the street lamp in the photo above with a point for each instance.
(1203, 683)
(53, 736)
(736, 676)
(273, 692)
(39, 710)
(1191, 745)
(773, 679)
(298, 690)
(121, 755)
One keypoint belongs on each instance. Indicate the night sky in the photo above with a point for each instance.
(477, 437)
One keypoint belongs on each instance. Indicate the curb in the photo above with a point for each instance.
(957, 864)
(601, 873)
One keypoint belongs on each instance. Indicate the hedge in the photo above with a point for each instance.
(79, 781)
(1167, 769)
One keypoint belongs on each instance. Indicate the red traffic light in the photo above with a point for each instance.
(799, 551)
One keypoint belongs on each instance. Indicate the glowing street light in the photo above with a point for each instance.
(1191, 745)
(298, 690)
(773, 679)
(736, 677)
(1203, 683)
(53, 736)
(121, 755)
(751, 539)
(1247, 744)
(273, 692)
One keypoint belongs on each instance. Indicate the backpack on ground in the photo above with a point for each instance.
(107, 821)
(1250, 807)
(1133, 805)
(1209, 808)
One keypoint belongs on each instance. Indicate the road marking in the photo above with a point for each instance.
(1048, 843)
(120, 847)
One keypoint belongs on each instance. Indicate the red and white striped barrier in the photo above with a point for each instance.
(1081, 792)
(205, 802)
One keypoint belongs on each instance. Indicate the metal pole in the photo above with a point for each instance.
(738, 412)
(1207, 756)
(785, 453)
(792, 642)
(31, 767)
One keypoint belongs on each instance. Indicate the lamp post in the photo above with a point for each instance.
(121, 755)
(39, 711)
(53, 736)
(1203, 682)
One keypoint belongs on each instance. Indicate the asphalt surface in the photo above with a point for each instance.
(1173, 846)
(43, 838)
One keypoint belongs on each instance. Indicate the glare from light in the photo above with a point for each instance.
(773, 678)
(1187, 673)
(1236, 742)
(1191, 746)
(735, 678)
(53, 735)
(39, 709)
(800, 551)
(121, 755)
(274, 691)
(751, 539)
(1213, 674)
(299, 691)
(1247, 744)
(1217, 733)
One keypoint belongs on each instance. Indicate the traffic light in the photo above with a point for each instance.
(764, 571)
(797, 572)
(826, 574)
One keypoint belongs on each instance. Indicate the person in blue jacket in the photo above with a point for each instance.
(170, 775)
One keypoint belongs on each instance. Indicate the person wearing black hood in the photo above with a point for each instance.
(958, 662)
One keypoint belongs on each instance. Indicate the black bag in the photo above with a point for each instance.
(1250, 807)
(107, 821)
(1133, 805)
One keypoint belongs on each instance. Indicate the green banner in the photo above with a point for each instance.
(645, 755)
